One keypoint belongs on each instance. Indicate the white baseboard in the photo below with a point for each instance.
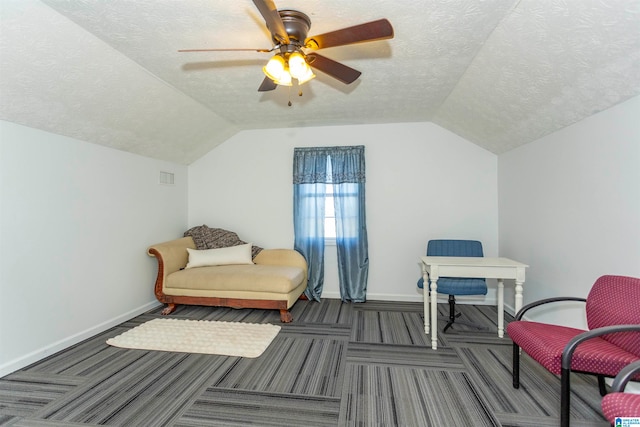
(41, 353)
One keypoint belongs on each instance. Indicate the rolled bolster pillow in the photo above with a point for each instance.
(240, 254)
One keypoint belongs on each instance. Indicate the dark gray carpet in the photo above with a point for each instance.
(337, 364)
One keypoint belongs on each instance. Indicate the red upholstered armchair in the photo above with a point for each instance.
(611, 343)
(618, 403)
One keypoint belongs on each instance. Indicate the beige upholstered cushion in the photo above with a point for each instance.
(258, 278)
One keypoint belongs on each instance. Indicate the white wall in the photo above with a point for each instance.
(423, 182)
(570, 207)
(75, 222)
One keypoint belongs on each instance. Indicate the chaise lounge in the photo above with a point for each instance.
(239, 275)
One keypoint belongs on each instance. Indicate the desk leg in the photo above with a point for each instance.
(519, 289)
(425, 289)
(500, 308)
(434, 312)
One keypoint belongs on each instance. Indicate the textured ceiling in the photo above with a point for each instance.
(500, 73)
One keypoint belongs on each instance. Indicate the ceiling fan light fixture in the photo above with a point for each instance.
(278, 71)
(297, 65)
(306, 77)
(299, 69)
(284, 79)
(275, 67)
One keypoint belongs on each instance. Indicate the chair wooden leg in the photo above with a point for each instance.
(285, 316)
(565, 397)
(602, 385)
(170, 308)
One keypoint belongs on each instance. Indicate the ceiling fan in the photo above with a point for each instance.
(295, 55)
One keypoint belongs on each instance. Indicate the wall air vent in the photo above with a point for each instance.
(166, 178)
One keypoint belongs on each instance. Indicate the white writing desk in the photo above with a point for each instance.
(489, 268)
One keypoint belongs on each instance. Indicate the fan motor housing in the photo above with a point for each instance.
(296, 24)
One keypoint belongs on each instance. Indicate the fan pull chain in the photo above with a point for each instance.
(299, 94)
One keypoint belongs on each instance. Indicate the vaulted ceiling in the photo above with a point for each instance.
(500, 73)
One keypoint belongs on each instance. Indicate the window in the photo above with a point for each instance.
(348, 198)
(329, 216)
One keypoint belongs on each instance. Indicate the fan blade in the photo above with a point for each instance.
(224, 50)
(273, 20)
(335, 69)
(375, 30)
(267, 85)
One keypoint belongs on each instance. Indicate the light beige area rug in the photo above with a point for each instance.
(199, 336)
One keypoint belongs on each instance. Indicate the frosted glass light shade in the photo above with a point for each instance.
(282, 71)
(284, 79)
(299, 68)
(297, 65)
(274, 68)
(306, 77)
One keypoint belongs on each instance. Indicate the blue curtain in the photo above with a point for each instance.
(308, 227)
(347, 173)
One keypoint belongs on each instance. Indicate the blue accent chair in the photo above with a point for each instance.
(456, 285)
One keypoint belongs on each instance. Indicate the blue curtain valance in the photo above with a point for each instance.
(347, 165)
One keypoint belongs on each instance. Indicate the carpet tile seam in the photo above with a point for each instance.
(240, 391)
